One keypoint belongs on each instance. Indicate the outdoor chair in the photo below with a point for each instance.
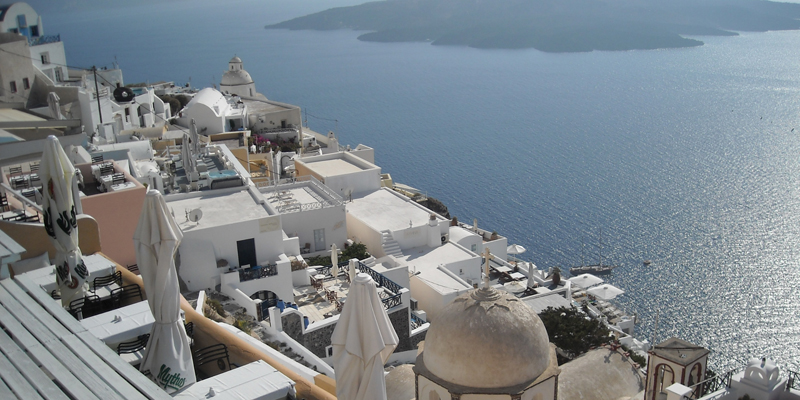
(55, 294)
(189, 328)
(116, 179)
(133, 351)
(217, 354)
(4, 201)
(31, 218)
(98, 158)
(121, 295)
(134, 268)
(109, 280)
(13, 171)
(85, 307)
(106, 169)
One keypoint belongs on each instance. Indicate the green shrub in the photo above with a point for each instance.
(242, 325)
(216, 306)
(356, 250)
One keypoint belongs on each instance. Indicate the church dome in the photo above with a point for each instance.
(234, 78)
(236, 59)
(487, 339)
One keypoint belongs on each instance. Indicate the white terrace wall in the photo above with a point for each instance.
(303, 224)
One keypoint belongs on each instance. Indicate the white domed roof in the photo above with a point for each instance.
(234, 78)
(487, 339)
(236, 59)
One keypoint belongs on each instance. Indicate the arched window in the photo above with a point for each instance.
(665, 377)
(695, 377)
(433, 395)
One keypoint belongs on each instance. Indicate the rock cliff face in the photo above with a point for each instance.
(436, 206)
(553, 25)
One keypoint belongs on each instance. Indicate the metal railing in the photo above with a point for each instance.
(257, 272)
(326, 269)
(393, 301)
(711, 385)
(416, 321)
(392, 290)
(794, 380)
(379, 278)
(35, 41)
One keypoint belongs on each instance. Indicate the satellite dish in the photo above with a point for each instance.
(123, 95)
(195, 215)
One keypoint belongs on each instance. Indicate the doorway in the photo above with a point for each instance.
(247, 252)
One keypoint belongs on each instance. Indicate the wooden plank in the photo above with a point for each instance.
(39, 331)
(5, 392)
(43, 357)
(48, 304)
(131, 374)
(111, 377)
(29, 369)
(19, 385)
(36, 322)
(84, 373)
(22, 305)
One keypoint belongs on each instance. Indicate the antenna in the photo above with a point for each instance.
(195, 215)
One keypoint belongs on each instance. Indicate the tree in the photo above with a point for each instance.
(356, 250)
(572, 332)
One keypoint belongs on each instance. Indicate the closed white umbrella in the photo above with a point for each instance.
(189, 165)
(54, 103)
(195, 138)
(586, 280)
(352, 270)
(156, 240)
(60, 219)
(362, 342)
(334, 262)
(605, 292)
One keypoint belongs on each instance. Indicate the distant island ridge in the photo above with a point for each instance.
(553, 25)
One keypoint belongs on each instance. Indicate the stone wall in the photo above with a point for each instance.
(400, 322)
(317, 340)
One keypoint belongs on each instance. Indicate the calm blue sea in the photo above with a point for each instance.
(685, 157)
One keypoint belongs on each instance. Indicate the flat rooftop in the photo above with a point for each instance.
(444, 254)
(336, 166)
(260, 106)
(218, 208)
(300, 196)
(440, 281)
(383, 210)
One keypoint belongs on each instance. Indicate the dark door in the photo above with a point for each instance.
(247, 252)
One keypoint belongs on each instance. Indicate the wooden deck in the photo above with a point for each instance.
(46, 354)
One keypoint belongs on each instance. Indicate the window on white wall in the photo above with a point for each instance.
(13, 86)
(45, 58)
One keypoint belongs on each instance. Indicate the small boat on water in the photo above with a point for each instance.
(646, 262)
(596, 269)
(592, 269)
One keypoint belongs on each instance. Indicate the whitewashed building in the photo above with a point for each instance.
(46, 51)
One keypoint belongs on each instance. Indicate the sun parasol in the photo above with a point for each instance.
(586, 280)
(157, 237)
(605, 292)
(362, 342)
(60, 219)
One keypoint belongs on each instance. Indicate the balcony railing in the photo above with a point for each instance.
(391, 297)
(794, 381)
(35, 41)
(416, 321)
(711, 385)
(257, 272)
(379, 278)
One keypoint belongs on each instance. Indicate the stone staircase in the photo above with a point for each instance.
(390, 246)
